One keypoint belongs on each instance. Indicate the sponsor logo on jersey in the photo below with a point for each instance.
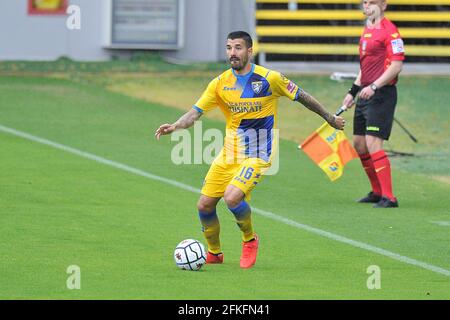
(241, 107)
(229, 88)
(291, 87)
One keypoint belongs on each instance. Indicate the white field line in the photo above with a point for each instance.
(442, 223)
(264, 213)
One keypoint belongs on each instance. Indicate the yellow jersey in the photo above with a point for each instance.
(249, 103)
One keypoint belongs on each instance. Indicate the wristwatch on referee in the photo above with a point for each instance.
(374, 87)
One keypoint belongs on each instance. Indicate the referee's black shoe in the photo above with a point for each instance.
(370, 198)
(386, 203)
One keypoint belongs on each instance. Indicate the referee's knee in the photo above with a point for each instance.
(360, 145)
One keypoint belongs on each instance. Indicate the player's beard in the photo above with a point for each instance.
(241, 63)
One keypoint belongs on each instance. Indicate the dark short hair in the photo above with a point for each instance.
(241, 35)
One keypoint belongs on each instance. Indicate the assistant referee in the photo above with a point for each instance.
(381, 59)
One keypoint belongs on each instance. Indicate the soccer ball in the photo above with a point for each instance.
(190, 255)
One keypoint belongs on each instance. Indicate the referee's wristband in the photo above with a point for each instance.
(354, 90)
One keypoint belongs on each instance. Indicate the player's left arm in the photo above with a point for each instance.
(312, 104)
(282, 86)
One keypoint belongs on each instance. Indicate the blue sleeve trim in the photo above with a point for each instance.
(297, 94)
(198, 109)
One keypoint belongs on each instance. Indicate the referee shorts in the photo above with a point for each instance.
(375, 116)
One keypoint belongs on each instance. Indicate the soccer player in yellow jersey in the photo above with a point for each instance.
(247, 95)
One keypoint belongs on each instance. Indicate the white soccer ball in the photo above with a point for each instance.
(190, 255)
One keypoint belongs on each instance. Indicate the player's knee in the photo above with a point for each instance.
(232, 200)
(205, 206)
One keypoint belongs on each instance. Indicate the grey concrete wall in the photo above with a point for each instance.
(201, 28)
(88, 43)
(30, 37)
(46, 37)
(235, 15)
(207, 24)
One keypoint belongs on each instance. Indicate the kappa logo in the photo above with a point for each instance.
(394, 35)
(368, 35)
(257, 86)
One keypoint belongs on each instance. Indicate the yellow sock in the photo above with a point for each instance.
(243, 215)
(211, 230)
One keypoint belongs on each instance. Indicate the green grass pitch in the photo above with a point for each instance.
(59, 209)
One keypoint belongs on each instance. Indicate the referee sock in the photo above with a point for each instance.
(382, 167)
(367, 164)
(211, 230)
(242, 213)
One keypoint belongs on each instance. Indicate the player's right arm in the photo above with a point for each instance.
(349, 99)
(185, 121)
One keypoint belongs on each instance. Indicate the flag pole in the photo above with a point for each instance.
(339, 112)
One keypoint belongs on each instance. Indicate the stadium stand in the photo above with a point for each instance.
(329, 30)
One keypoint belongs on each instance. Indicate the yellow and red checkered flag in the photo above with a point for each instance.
(330, 149)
